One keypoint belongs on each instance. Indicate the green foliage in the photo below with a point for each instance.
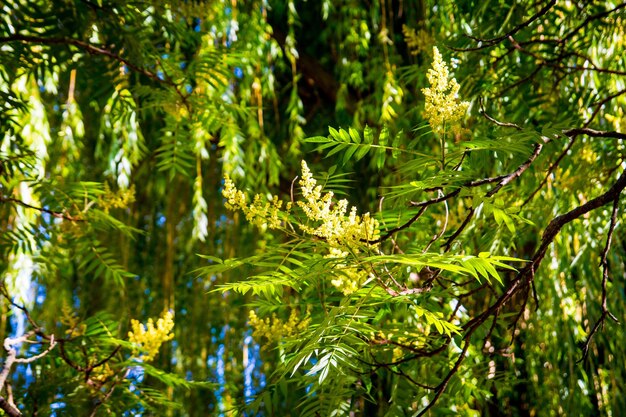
(479, 272)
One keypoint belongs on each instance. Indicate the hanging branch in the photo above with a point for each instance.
(525, 277)
(97, 50)
(487, 43)
(595, 133)
(604, 263)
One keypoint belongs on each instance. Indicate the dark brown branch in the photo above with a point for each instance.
(36, 327)
(594, 133)
(106, 397)
(399, 228)
(554, 227)
(520, 170)
(518, 316)
(416, 351)
(589, 20)
(394, 369)
(92, 49)
(526, 275)
(9, 408)
(493, 120)
(502, 181)
(58, 215)
(412, 380)
(487, 43)
(598, 105)
(521, 80)
(448, 243)
(593, 68)
(442, 386)
(105, 360)
(436, 200)
(67, 360)
(556, 62)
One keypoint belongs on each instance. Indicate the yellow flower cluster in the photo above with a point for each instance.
(340, 231)
(149, 338)
(101, 374)
(443, 107)
(348, 280)
(274, 329)
(262, 214)
(120, 199)
(325, 218)
(335, 227)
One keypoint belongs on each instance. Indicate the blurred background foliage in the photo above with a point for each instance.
(118, 121)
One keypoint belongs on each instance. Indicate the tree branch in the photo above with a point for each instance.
(594, 133)
(96, 50)
(58, 215)
(526, 275)
(9, 408)
(605, 277)
(487, 43)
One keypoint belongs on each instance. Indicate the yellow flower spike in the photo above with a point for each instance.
(443, 107)
(325, 218)
(148, 338)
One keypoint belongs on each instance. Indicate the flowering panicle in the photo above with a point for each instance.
(149, 338)
(274, 329)
(337, 228)
(262, 214)
(443, 107)
(348, 279)
(325, 218)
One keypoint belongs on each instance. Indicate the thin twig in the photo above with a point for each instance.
(487, 43)
(520, 170)
(493, 120)
(442, 386)
(550, 169)
(598, 105)
(604, 263)
(448, 243)
(589, 20)
(443, 229)
(391, 232)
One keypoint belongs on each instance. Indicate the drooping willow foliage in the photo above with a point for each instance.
(312, 208)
